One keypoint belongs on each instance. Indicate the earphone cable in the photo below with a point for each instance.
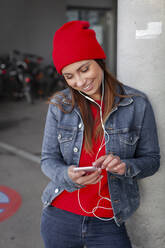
(100, 148)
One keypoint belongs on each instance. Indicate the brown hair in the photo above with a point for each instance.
(111, 85)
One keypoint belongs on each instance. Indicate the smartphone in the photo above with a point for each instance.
(88, 168)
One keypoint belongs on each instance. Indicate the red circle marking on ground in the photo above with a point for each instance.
(14, 202)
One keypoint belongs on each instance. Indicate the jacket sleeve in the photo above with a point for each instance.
(52, 163)
(147, 157)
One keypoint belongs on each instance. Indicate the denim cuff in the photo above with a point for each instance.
(129, 174)
(69, 185)
(131, 170)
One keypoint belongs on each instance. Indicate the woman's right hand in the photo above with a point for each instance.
(83, 178)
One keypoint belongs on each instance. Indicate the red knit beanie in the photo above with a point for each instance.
(73, 42)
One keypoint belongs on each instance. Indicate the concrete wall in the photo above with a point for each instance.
(91, 3)
(29, 26)
(141, 61)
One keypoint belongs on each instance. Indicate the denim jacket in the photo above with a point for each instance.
(132, 136)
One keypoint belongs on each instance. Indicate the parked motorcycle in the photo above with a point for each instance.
(54, 82)
(4, 62)
(26, 79)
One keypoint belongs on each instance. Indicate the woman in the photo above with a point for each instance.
(100, 123)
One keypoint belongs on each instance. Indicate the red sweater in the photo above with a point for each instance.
(88, 195)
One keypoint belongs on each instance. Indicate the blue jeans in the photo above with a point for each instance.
(62, 229)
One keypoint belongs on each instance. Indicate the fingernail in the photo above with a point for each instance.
(94, 163)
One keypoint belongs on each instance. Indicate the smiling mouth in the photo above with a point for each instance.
(88, 87)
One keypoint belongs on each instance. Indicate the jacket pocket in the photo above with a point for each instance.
(123, 142)
(129, 138)
(128, 143)
(66, 138)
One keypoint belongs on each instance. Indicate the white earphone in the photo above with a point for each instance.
(101, 146)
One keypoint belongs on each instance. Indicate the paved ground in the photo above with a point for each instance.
(21, 125)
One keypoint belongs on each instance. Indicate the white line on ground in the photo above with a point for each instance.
(20, 152)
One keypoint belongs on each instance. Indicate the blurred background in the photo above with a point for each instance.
(132, 35)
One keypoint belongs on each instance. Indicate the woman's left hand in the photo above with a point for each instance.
(111, 163)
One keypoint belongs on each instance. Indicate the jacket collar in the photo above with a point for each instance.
(125, 101)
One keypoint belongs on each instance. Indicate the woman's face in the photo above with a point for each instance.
(85, 76)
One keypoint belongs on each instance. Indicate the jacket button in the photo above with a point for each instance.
(128, 171)
(59, 136)
(80, 125)
(56, 190)
(75, 149)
